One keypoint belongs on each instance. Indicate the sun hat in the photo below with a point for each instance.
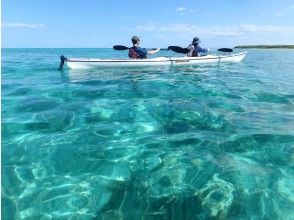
(196, 40)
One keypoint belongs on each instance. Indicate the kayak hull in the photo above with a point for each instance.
(82, 63)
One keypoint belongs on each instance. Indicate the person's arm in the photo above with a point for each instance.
(153, 51)
(191, 48)
(202, 50)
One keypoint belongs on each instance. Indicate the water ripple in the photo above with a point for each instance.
(203, 142)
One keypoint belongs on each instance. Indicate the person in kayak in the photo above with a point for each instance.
(137, 52)
(195, 49)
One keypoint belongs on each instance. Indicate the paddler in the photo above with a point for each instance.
(195, 49)
(136, 52)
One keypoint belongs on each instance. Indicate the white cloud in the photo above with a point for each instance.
(228, 31)
(181, 9)
(280, 13)
(265, 28)
(22, 25)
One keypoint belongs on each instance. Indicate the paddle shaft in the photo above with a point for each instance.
(176, 49)
(121, 47)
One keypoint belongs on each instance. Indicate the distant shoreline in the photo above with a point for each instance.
(265, 46)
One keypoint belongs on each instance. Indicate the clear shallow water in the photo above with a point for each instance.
(155, 143)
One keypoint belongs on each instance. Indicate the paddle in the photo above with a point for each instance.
(178, 49)
(225, 50)
(62, 59)
(121, 47)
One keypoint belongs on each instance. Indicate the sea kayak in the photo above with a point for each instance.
(84, 63)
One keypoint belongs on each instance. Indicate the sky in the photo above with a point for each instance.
(159, 23)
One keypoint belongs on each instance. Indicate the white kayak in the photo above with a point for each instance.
(84, 63)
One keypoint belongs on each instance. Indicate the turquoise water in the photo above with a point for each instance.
(203, 142)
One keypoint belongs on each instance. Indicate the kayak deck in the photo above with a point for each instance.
(83, 63)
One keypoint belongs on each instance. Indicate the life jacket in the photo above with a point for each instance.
(133, 54)
(195, 51)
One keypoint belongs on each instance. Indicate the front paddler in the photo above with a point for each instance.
(136, 52)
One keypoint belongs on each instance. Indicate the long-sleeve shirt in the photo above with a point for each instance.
(195, 50)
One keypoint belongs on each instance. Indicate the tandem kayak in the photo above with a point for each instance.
(84, 63)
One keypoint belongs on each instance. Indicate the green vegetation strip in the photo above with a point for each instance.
(266, 46)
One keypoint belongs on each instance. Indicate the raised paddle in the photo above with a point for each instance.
(186, 50)
(121, 47)
(62, 60)
(225, 50)
(176, 49)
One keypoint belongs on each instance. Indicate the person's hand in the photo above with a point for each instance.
(153, 51)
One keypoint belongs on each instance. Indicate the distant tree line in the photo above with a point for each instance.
(266, 46)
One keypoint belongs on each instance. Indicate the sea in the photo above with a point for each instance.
(193, 142)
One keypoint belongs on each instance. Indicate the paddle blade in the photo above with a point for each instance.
(62, 60)
(225, 50)
(120, 47)
(178, 49)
